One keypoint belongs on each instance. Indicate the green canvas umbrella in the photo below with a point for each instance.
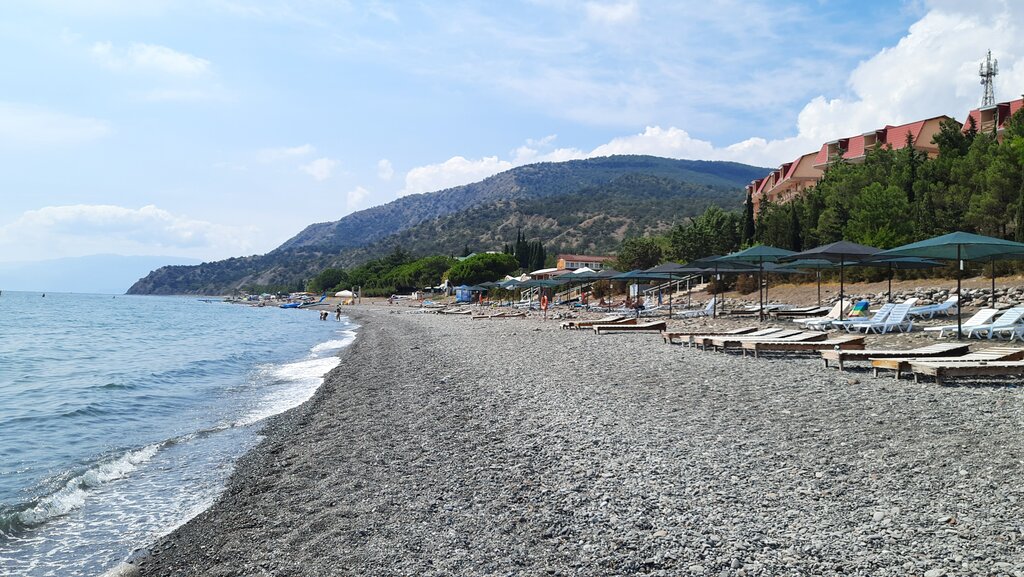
(900, 263)
(759, 255)
(673, 270)
(958, 247)
(715, 265)
(842, 253)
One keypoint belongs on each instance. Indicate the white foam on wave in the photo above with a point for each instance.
(73, 494)
(292, 385)
(333, 345)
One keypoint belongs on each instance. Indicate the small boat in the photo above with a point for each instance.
(291, 305)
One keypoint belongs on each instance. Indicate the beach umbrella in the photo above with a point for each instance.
(637, 275)
(899, 263)
(672, 269)
(958, 247)
(843, 253)
(715, 265)
(815, 264)
(759, 255)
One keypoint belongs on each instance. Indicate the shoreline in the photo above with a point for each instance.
(443, 446)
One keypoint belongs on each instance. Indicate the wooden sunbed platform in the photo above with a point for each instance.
(785, 336)
(670, 336)
(941, 371)
(842, 356)
(902, 364)
(797, 313)
(703, 339)
(657, 326)
(606, 320)
(454, 312)
(847, 342)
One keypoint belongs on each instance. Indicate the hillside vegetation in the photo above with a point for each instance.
(581, 205)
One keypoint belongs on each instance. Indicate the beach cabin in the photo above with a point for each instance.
(464, 294)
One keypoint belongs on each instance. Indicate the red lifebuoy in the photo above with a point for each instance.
(544, 302)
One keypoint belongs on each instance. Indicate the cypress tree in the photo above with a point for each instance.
(795, 240)
(748, 221)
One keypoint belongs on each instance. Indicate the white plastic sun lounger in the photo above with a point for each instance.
(982, 317)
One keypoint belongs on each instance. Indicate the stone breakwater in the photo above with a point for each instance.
(446, 446)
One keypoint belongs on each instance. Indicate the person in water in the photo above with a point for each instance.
(337, 313)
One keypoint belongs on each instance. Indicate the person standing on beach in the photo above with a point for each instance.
(337, 313)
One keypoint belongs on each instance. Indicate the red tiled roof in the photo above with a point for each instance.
(854, 147)
(585, 258)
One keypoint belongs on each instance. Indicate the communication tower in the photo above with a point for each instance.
(988, 71)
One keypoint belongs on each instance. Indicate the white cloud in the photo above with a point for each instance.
(149, 58)
(384, 169)
(320, 169)
(76, 230)
(355, 197)
(611, 13)
(452, 172)
(27, 126)
(931, 71)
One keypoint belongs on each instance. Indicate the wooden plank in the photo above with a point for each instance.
(976, 369)
(845, 343)
(901, 365)
(938, 349)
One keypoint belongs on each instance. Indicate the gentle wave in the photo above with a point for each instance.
(334, 345)
(305, 377)
(73, 494)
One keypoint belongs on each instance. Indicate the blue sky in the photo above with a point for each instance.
(221, 128)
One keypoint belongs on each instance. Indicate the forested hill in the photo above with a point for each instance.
(579, 205)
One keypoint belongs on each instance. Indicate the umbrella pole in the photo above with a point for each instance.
(959, 323)
(888, 294)
(841, 306)
(993, 271)
(687, 292)
(819, 286)
(760, 290)
(714, 298)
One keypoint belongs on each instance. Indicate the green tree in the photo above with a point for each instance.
(328, 279)
(748, 220)
(639, 252)
(482, 268)
(880, 218)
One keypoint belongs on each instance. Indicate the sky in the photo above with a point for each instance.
(218, 128)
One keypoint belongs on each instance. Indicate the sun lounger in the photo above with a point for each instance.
(1007, 323)
(825, 321)
(897, 319)
(670, 336)
(982, 317)
(704, 312)
(454, 312)
(942, 371)
(737, 341)
(851, 324)
(947, 307)
(657, 326)
(902, 364)
(622, 321)
(935, 350)
(581, 324)
(844, 342)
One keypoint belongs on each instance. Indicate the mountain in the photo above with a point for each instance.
(580, 205)
(95, 274)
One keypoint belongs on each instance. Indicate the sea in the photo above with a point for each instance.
(121, 417)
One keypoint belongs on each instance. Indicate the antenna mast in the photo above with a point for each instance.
(988, 72)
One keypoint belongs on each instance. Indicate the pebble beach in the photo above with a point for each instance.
(443, 445)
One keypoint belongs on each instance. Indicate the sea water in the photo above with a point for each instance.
(121, 416)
